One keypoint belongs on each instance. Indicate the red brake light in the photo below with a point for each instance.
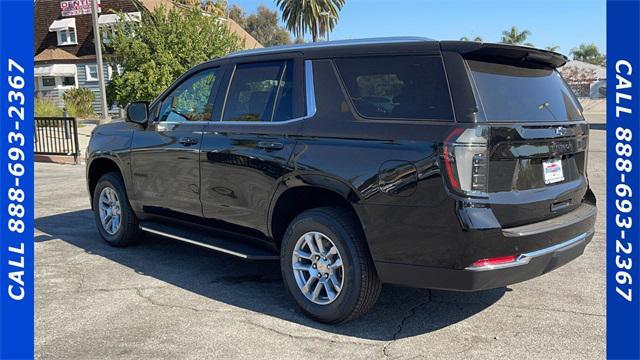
(494, 261)
(448, 157)
(465, 161)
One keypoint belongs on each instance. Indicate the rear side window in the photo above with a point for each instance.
(261, 92)
(515, 93)
(397, 87)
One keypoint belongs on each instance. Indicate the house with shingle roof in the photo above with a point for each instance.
(586, 80)
(64, 51)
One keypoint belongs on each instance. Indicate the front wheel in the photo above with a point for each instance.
(326, 265)
(116, 222)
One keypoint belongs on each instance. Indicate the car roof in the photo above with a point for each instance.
(398, 45)
(331, 45)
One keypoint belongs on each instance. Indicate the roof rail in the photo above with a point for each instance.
(324, 44)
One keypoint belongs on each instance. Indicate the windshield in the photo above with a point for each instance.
(515, 93)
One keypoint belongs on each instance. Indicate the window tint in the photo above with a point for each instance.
(399, 87)
(190, 101)
(254, 90)
(515, 93)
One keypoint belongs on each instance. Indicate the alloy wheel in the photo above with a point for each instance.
(110, 210)
(317, 268)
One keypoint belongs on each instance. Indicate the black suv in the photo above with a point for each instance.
(436, 164)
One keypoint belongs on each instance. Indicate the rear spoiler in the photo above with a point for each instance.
(478, 50)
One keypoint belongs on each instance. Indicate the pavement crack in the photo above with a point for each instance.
(174, 306)
(136, 288)
(403, 322)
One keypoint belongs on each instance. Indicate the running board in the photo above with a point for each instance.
(227, 245)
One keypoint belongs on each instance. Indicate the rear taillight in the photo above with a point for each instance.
(466, 162)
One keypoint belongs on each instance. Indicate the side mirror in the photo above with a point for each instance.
(138, 112)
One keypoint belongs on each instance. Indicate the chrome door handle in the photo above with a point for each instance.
(188, 141)
(270, 145)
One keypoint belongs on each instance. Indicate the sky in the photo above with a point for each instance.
(565, 23)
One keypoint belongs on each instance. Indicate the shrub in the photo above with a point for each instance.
(79, 102)
(46, 108)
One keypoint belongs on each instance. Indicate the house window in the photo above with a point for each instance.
(92, 72)
(65, 30)
(68, 81)
(48, 81)
(67, 37)
(107, 24)
(107, 32)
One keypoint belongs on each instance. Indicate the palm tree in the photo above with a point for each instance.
(476, 39)
(589, 53)
(514, 36)
(553, 48)
(317, 17)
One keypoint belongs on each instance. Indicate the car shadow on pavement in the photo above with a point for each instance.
(257, 286)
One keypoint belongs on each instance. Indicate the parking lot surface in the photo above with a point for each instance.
(165, 299)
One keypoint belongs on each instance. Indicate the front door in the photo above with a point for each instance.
(165, 156)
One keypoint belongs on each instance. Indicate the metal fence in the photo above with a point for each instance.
(57, 136)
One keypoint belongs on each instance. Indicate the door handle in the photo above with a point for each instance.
(188, 141)
(270, 145)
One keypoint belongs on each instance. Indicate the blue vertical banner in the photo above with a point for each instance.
(16, 179)
(623, 182)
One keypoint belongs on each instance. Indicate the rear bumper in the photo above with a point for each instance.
(571, 232)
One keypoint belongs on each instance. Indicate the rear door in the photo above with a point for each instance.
(246, 149)
(537, 140)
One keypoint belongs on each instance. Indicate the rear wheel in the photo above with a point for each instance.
(116, 222)
(326, 265)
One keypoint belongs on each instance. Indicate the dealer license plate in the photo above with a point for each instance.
(552, 171)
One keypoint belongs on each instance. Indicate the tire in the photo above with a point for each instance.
(359, 284)
(127, 232)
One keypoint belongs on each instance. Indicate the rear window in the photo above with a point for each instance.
(515, 93)
(397, 87)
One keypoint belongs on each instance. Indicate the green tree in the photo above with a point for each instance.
(154, 52)
(262, 25)
(237, 14)
(553, 48)
(316, 17)
(513, 36)
(476, 39)
(213, 7)
(589, 53)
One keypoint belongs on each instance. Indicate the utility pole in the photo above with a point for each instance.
(329, 17)
(100, 69)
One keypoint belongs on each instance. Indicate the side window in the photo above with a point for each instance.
(397, 87)
(190, 101)
(261, 92)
